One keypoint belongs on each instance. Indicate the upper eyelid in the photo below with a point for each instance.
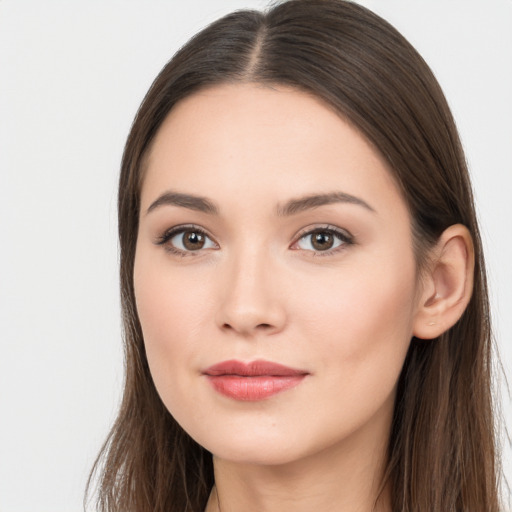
(326, 227)
(176, 230)
(185, 227)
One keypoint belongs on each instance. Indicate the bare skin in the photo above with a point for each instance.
(233, 264)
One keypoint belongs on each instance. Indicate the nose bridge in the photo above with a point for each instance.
(250, 300)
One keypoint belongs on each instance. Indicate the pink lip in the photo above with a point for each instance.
(253, 381)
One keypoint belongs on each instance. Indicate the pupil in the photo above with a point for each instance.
(193, 240)
(322, 241)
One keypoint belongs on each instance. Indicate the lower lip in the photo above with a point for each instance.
(254, 387)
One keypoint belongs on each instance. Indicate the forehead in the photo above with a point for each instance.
(257, 144)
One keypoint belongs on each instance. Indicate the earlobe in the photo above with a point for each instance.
(447, 284)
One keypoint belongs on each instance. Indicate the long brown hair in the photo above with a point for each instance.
(442, 453)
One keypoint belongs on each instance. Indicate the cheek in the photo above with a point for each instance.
(167, 298)
(159, 305)
(362, 323)
(357, 333)
(175, 311)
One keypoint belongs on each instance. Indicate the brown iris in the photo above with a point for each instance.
(192, 240)
(322, 240)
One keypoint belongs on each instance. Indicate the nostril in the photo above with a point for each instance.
(264, 327)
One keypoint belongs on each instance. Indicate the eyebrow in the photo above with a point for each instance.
(200, 204)
(292, 207)
(301, 204)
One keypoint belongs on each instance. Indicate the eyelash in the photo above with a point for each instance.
(171, 233)
(342, 235)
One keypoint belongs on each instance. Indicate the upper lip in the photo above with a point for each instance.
(252, 369)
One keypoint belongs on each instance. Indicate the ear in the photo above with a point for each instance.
(447, 283)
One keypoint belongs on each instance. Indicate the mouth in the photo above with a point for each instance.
(252, 381)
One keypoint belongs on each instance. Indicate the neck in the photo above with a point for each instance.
(344, 478)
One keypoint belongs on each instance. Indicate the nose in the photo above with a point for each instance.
(251, 301)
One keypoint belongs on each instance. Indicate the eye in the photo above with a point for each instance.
(186, 239)
(323, 240)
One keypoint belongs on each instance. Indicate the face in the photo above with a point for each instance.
(274, 275)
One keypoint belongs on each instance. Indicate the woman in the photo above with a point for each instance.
(303, 284)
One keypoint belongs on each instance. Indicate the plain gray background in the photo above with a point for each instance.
(72, 74)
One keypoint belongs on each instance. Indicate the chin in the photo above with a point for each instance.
(252, 448)
(257, 455)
